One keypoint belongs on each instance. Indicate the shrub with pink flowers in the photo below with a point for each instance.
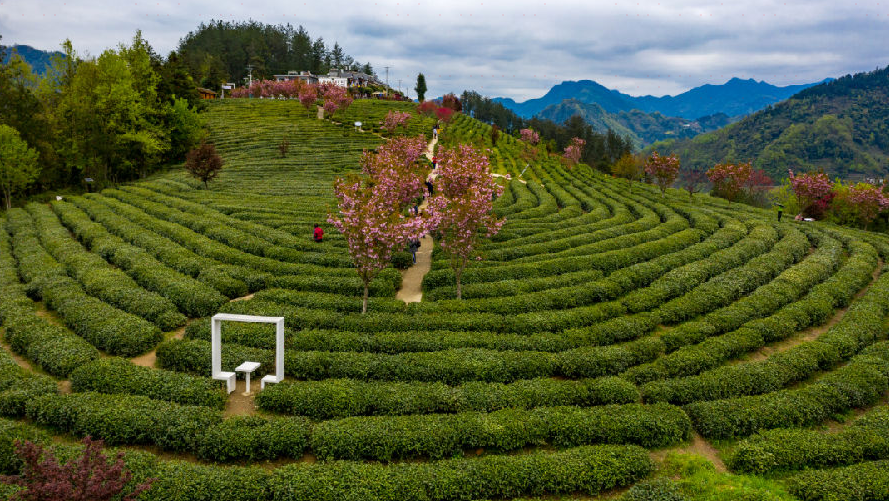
(729, 179)
(814, 191)
(868, 201)
(574, 151)
(394, 120)
(530, 136)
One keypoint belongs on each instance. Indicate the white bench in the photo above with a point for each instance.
(228, 377)
(271, 379)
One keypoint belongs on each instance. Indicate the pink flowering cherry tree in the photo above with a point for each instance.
(729, 179)
(868, 201)
(394, 120)
(664, 170)
(336, 98)
(372, 228)
(371, 213)
(461, 210)
(530, 136)
(574, 151)
(813, 190)
(307, 97)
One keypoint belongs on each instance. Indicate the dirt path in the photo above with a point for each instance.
(811, 333)
(239, 404)
(148, 359)
(698, 446)
(412, 278)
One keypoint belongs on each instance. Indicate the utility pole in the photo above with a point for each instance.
(399, 86)
(250, 75)
(387, 79)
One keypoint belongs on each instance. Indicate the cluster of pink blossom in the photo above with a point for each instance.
(396, 163)
(664, 169)
(395, 119)
(270, 89)
(868, 201)
(813, 190)
(463, 203)
(530, 136)
(308, 95)
(574, 151)
(335, 98)
(729, 179)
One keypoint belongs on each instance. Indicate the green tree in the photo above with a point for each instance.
(18, 163)
(421, 88)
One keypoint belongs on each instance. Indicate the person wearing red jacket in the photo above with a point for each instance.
(319, 234)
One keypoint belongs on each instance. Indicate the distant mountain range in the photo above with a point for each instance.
(733, 98)
(841, 127)
(641, 127)
(38, 59)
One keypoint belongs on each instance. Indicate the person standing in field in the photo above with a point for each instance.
(318, 234)
(780, 212)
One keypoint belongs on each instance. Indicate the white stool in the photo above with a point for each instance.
(247, 368)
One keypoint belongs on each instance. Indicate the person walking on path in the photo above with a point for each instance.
(429, 186)
(780, 212)
(413, 245)
(435, 132)
(318, 234)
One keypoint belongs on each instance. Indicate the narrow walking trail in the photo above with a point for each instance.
(412, 278)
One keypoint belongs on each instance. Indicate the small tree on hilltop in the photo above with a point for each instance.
(395, 119)
(529, 136)
(574, 151)
(18, 163)
(90, 477)
(462, 206)
(203, 162)
(421, 88)
(495, 135)
(729, 179)
(663, 169)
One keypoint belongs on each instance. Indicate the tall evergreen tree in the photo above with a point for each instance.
(421, 87)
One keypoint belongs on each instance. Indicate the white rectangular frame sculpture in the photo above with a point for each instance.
(216, 347)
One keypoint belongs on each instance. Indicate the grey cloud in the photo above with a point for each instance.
(639, 47)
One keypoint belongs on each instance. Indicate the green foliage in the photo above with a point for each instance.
(860, 482)
(18, 163)
(839, 126)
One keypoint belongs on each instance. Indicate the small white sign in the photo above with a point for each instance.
(227, 87)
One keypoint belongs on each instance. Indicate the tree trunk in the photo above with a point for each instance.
(206, 187)
(8, 196)
(364, 300)
(459, 273)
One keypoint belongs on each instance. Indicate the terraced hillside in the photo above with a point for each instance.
(606, 328)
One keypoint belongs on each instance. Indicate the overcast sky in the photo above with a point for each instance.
(516, 49)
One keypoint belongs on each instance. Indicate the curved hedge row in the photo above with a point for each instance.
(334, 398)
(193, 298)
(119, 376)
(449, 366)
(100, 279)
(165, 250)
(19, 386)
(105, 327)
(387, 438)
(860, 482)
(857, 384)
(813, 309)
(55, 349)
(866, 439)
